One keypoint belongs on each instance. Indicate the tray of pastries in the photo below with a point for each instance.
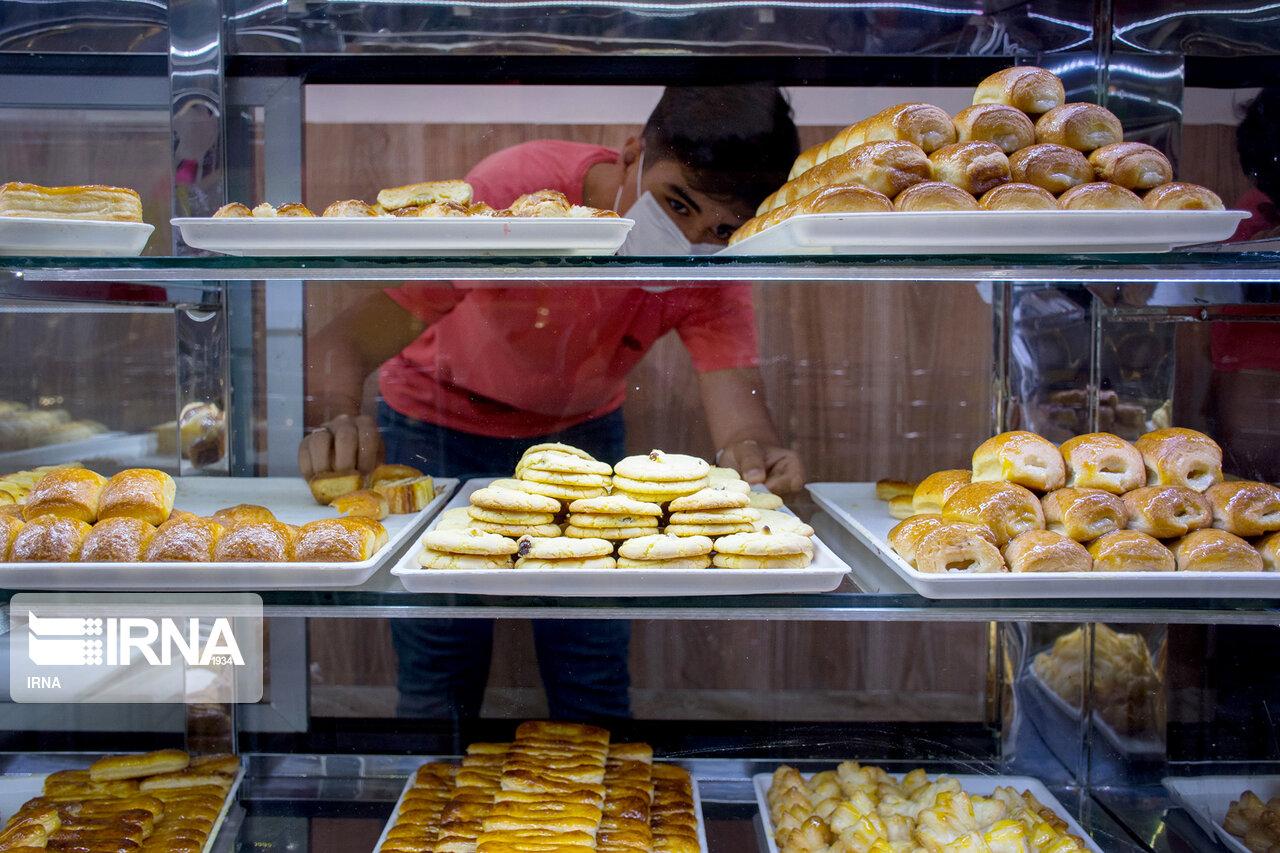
(554, 786)
(566, 524)
(72, 527)
(1242, 812)
(1094, 517)
(428, 218)
(92, 220)
(154, 802)
(1021, 170)
(857, 807)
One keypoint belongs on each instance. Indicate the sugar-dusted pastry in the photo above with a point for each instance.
(1179, 195)
(1046, 551)
(49, 539)
(1130, 551)
(256, 542)
(335, 540)
(934, 490)
(1020, 457)
(1099, 195)
(957, 549)
(1244, 507)
(1175, 456)
(1052, 167)
(9, 527)
(1000, 124)
(146, 494)
(185, 540)
(1083, 514)
(1100, 460)
(1018, 196)
(94, 202)
(1167, 511)
(67, 492)
(1082, 126)
(1007, 508)
(121, 539)
(1210, 550)
(1029, 88)
(231, 516)
(1133, 165)
(934, 195)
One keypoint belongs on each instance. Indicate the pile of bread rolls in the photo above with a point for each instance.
(1020, 146)
(22, 427)
(1096, 503)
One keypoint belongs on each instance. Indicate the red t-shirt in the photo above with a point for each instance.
(1248, 346)
(529, 360)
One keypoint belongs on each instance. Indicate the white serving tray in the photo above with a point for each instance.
(1207, 798)
(855, 506)
(108, 445)
(405, 235)
(395, 812)
(990, 232)
(34, 237)
(822, 575)
(979, 785)
(1149, 747)
(288, 498)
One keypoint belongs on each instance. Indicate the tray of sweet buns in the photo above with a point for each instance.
(91, 220)
(427, 218)
(567, 524)
(1020, 170)
(1094, 517)
(72, 527)
(1241, 811)
(554, 786)
(154, 802)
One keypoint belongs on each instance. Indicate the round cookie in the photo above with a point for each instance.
(562, 548)
(557, 446)
(564, 493)
(774, 521)
(764, 544)
(586, 519)
(612, 534)
(615, 505)
(557, 478)
(703, 562)
(679, 488)
(468, 542)
(660, 546)
(499, 498)
(745, 515)
(710, 498)
(764, 500)
(515, 531)
(605, 562)
(501, 516)
(662, 467)
(713, 530)
(741, 561)
(430, 559)
(561, 462)
(457, 518)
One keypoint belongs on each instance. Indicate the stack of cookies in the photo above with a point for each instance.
(665, 551)
(660, 477)
(563, 552)
(612, 517)
(562, 472)
(711, 512)
(466, 549)
(513, 513)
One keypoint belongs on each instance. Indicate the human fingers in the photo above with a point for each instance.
(370, 451)
(786, 472)
(347, 436)
(315, 452)
(747, 458)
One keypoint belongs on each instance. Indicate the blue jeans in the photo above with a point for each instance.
(442, 665)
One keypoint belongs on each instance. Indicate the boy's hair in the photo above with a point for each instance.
(732, 141)
(1256, 142)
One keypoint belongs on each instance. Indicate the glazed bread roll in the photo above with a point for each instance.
(49, 539)
(1046, 551)
(1174, 456)
(1030, 89)
(1182, 196)
(1210, 550)
(1020, 457)
(1082, 126)
(1133, 165)
(1018, 196)
(886, 167)
(924, 125)
(1268, 548)
(122, 539)
(889, 488)
(1004, 126)
(974, 167)
(232, 516)
(1130, 551)
(934, 195)
(841, 198)
(1100, 460)
(1055, 168)
(957, 548)
(365, 503)
(905, 536)
(9, 527)
(900, 507)
(1083, 514)
(1166, 511)
(68, 492)
(1244, 507)
(133, 766)
(96, 202)
(349, 539)
(934, 490)
(1008, 509)
(1099, 195)
(146, 494)
(256, 542)
(185, 540)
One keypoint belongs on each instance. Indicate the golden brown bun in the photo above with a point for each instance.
(1099, 195)
(900, 507)
(339, 540)
(974, 167)
(1244, 507)
(1133, 165)
(1018, 196)
(1167, 511)
(388, 472)
(256, 542)
(958, 549)
(365, 503)
(1007, 127)
(68, 492)
(934, 490)
(185, 540)
(202, 429)
(95, 202)
(230, 516)
(425, 193)
(349, 207)
(541, 203)
(1030, 89)
(1175, 456)
(934, 195)
(1268, 548)
(1130, 551)
(841, 198)
(122, 539)
(1083, 514)
(1008, 509)
(334, 484)
(905, 536)
(49, 539)
(133, 766)
(889, 488)
(1212, 550)
(1082, 126)
(1182, 196)
(886, 167)
(923, 125)
(234, 210)
(1020, 457)
(1100, 460)
(1052, 167)
(146, 494)
(9, 527)
(294, 208)
(1046, 551)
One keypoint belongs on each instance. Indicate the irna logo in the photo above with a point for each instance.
(95, 641)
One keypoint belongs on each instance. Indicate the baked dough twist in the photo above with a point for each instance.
(1008, 509)
(1175, 456)
(1046, 551)
(1020, 457)
(1083, 514)
(1167, 511)
(1101, 460)
(1244, 507)
(1133, 165)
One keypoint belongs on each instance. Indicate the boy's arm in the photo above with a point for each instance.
(741, 427)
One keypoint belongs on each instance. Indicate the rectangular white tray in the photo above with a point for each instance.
(406, 236)
(1149, 746)
(822, 575)
(288, 498)
(395, 812)
(990, 232)
(1207, 798)
(855, 506)
(34, 237)
(980, 785)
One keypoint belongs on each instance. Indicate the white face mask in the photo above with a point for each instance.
(655, 233)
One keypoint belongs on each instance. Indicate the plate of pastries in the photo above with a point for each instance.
(1020, 170)
(1094, 517)
(554, 786)
(89, 220)
(154, 802)
(426, 218)
(861, 807)
(659, 523)
(1242, 812)
(73, 527)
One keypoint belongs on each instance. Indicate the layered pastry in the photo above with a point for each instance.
(93, 202)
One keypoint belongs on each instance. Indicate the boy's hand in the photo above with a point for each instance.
(779, 468)
(343, 444)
